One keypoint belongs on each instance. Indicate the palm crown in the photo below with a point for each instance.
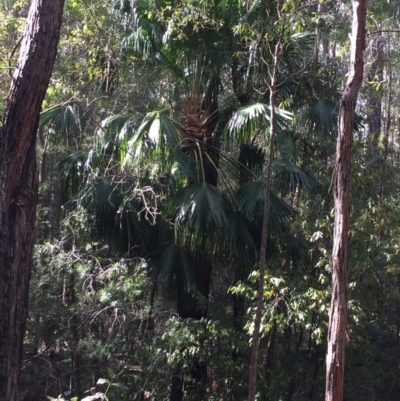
(181, 186)
(187, 180)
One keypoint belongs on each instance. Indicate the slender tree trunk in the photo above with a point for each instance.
(75, 334)
(388, 122)
(18, 182)
(268, 179)
(338, 312)
(269, 357)
(374, 102)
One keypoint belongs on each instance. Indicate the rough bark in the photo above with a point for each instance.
(338, 312)
(264, 235)
(18, 182)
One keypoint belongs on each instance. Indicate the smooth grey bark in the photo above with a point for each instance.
(19, 184)
(335, 357)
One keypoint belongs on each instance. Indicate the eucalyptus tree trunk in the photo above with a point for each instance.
(18, 182)
(264, 235)
(335, 357)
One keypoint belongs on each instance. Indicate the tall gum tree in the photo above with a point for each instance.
(335, 357)
(272, 86)
(264, 235)
(18, 182)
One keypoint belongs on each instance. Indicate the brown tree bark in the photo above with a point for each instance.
(18, 182)
(338, 312)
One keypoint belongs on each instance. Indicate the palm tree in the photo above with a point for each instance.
(183, 187)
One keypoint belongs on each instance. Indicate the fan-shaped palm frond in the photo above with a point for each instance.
(323, 116)
(111, 127)
(184, 167)
(289, 144)
(245, 120)
(238, 242)
(157, 132)
(101, 199)
(133, 233)
(51, 115)
(115, 134)
(298, 48)
(287, 171)
(72, 173)
(199, 215)
(253, 158)
(140, 42)
(65, 119)
(129, 127)
(251, 198)
(175, 268)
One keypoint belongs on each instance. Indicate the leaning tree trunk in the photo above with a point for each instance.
(18, 182)
(338, 312)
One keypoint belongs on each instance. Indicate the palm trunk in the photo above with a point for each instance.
(338, 312)
(18, 182)
(176, 393)
(191, 308)
(202, 147)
